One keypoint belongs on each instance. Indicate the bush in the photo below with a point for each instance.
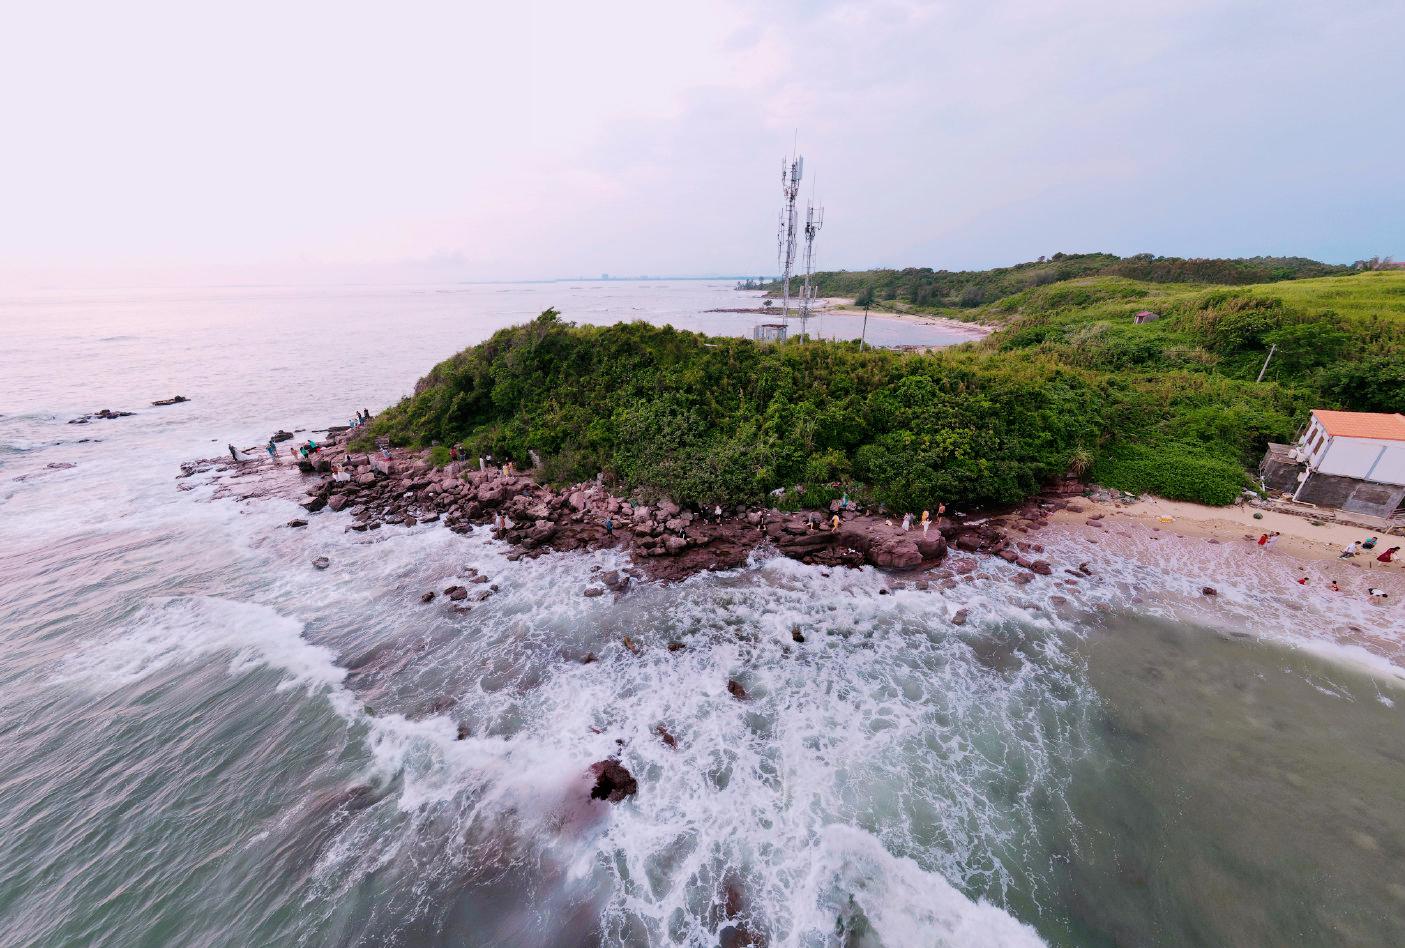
(1172, 470)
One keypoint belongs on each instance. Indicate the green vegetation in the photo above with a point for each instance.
(924, 290)
(1169, 406)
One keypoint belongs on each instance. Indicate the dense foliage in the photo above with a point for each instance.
(726, 420)
(926, 290)
(1171, 405)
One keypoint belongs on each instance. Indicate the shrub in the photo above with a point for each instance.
(1173, 470)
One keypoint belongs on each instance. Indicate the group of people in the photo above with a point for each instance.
(1336, 587)
(362, 417)
(1353, 549)
(926, 522)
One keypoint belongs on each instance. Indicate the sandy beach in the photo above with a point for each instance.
(1300, 538)
(835, 304)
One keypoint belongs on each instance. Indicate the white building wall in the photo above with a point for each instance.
(1372, 459)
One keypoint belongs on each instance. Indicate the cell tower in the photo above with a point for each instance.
(814, 220)
(791, 171)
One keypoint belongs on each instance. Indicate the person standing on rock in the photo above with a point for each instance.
(609, 526)
(272, 450)
(834, 522)
(907, 521)
(926, 522)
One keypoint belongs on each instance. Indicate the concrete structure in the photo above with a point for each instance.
(1146, 316)
(1348, 459)
(769, 332)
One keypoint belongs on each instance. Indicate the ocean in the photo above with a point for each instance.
(205, 741)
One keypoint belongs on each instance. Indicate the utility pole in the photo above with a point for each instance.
(1271, 350)
(864, 335)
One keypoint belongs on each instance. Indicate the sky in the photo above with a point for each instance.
(189, 142)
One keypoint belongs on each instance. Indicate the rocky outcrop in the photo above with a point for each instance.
(612, 782)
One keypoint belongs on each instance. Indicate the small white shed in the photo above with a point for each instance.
(1368, 446)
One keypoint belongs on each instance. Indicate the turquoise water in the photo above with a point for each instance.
(208, 742)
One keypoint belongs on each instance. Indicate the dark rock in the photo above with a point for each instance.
(463, 732)
(735, 689)
(1022, 578)
(321, 562)
(796, 635)
(281, 435)
(1208, 591)
(960, 616)
(337, 501)
(613, 782)
(297, 523)
(666, 737)
(1042, 567)
(314, 504)
(676, 646)
(176, 400)
(589, 657)
(428, 597)
(456, 593)
(592, 591)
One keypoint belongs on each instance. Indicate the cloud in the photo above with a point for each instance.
(559, 138)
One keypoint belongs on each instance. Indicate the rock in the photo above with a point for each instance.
(796, 635)
(1022, 579)
(667, 509)
(675, 545)
(676, 646)
(735, 689)
(478, 578)
(427, 597)
(337, 501)
(613, 782)
(968, 541)
(1042, 567)
(960, 616)
(666, 737)
(1058, 600)
(456, 593)
(365, 480)
(964, 567)
(589, 657)
(592, 591)
(176, 400)
(463, 732)
(615, 580)
(630, 644)
(314, 504)
(897, 553)
(1208, 591)
(281, 435)
(409, 521)
(321, 562)
(297, 523)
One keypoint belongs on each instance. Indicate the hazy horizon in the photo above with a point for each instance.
(162, 144)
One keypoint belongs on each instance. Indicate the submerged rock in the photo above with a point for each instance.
(428, 597)
(321, 562)
(613, 783)
(735, 689)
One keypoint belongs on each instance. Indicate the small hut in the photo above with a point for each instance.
(1146, 316)
(769, 332)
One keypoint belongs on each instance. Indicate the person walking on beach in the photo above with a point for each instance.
(1348, 552)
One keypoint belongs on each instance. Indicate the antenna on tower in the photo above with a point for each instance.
(814, 220)
(792, 169)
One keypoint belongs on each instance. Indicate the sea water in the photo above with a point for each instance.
(208, 742)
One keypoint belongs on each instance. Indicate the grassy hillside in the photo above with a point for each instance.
(1170, 406)
(925, 290)
(1185, 383)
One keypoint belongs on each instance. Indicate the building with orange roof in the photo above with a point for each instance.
(1354, 460)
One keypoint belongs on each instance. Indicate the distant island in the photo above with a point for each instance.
(1137, 373)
